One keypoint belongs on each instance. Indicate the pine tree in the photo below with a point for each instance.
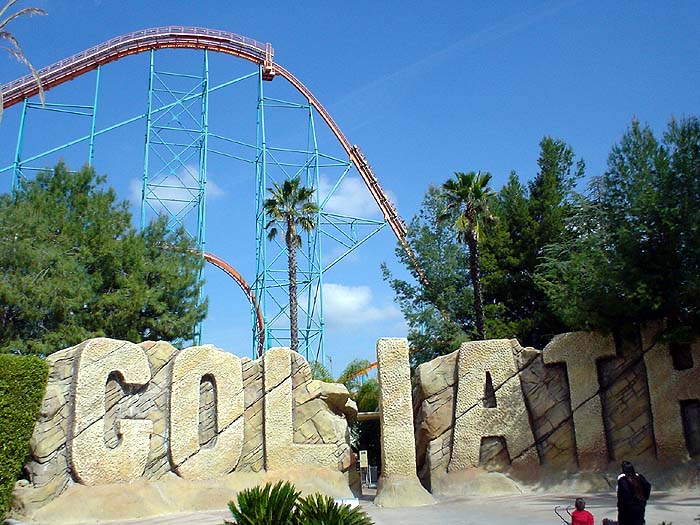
(634, 254)
(73, 267)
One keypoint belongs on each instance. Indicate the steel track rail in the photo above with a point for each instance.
(233, 273)
(214, 40)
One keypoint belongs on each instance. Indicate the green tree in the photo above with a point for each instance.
(73, 267)
(438, 315)
(365, 392)
(14, 48)
(529, 218)
(350, 376)
(290, 206)
(469, 195)
(637, 237)
(22, 386)
(367, 396)
(506, 283)
(320, 371)
(367, 433)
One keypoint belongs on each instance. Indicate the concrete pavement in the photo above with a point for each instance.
(531, 509)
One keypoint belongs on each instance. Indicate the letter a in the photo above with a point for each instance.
(509, 419)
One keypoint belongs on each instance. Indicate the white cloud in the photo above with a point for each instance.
(337, 251)
(179, 188)
(352, 306)
(214, 191)
(350, 198)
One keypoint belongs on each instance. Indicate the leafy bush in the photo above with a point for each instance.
(22, 385)
(280, 505)
(318, 509)
(269, 505)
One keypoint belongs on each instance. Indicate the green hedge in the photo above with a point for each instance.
(22, 385)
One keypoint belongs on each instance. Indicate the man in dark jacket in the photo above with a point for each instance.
(633, 491)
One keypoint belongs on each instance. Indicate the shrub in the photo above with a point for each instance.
(281, 505)
(269, 505)
(22, 385)
(318, 509)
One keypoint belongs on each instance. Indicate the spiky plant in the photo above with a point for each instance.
(268, 505)
(318, 509)
(14, 48)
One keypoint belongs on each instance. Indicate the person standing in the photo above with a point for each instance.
(581, 516)
(633, 491)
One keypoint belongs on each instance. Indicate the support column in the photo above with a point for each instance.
(17, 169)
(260, 284)
(398, 485)
(91, 152)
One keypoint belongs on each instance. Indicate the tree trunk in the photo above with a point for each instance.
(476, 283)
(292, 261)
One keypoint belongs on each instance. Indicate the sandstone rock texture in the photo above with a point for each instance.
(561, 417)
(117, 412)
(120, 502)
(487, 398)
(398, 485)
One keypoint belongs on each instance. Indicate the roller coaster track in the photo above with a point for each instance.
(231, 272)
(213, 40)
(363, 371)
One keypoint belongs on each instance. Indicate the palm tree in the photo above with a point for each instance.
(468, 196)
(14, 48)
(290, 206)
(350, 376)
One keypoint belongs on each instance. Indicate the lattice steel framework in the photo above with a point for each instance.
(23, 167)
(274, 163)
(178, 141)
(175, 154)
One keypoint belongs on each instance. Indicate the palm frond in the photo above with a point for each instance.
(271, 233)
(469, 195)
(310, 208)
(16, 49)
(268, 505)
(308, 224)
(291, 201)
(26, 11)
(318, 509)
(9, 4)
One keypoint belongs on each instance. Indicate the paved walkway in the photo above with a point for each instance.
(537, 509)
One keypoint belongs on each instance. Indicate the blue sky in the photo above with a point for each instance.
(425, 89)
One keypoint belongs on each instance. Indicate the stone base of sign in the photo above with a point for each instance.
(170, 494)
(399, 485)
(192, 414)
(472, 482)
(402, 492)
(480, 482)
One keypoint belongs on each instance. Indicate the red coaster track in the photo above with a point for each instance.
(233, 273)
(213, 40)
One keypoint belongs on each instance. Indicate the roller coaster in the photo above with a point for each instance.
(261, 54)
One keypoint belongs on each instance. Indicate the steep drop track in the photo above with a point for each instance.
(245, 287)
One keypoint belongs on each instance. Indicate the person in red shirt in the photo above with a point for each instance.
(581, 516)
